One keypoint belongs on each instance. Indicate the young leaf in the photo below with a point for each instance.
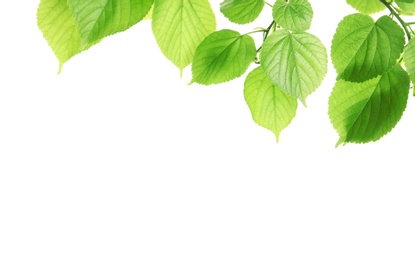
(367, 6)
(295, 62)
(242, 11)
(57, 25)
(270, 107)
(362, 49)
(179, 26)
(294, 15)
(409, 59)
(100, 18)
(224, 55)
(365, 112)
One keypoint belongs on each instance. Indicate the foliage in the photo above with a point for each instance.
(374, 59)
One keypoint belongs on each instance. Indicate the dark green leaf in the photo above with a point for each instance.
(362, 49)
(365, 112)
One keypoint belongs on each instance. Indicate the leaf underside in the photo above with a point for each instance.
(295, 62)
(293, 15)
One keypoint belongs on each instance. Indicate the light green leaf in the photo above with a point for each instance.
(224, 55)
(100, 18)
(57, 25)
(362, 49)
(294, 15)
(242, 11)
(295, 62)
(409, 59)
(365, 112)
(149, 15)
(406, 6)
(367, 6)
(179, 26)
(270, 107)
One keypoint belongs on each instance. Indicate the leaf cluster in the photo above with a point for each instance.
(372, 88)
(374, 60)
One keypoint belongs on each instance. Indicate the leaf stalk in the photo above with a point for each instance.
(398, 17)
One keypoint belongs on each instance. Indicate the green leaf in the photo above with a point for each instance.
(57, 25)
(100, 18)
(224, 55)
(179, 26)
(242, 11)
(362, 49)
(294, 15)
(367, 6)
(295, 62)
(409, 60)
(406, 6)
(270, 107)
(149, 15)
(365, 112)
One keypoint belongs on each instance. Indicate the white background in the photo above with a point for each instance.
(118, 158)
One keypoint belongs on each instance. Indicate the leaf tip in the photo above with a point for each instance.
(277, 137)
(303, 102)
(60, 67)
(341, 141)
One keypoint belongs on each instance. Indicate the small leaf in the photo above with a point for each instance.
(294, 15)
(271, 108)
(100, 18)
(57, 25)
(242, 11)
(362, 49)
(224, 55)
(367, 6)
(365, 112)
(295, 62)
(179, 26)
